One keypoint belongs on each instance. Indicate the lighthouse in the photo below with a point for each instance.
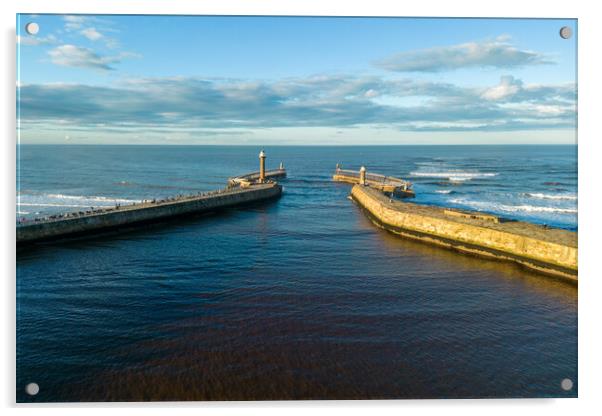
(362, 175)
(261, 167)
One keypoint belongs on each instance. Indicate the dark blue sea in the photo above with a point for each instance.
(299, 298)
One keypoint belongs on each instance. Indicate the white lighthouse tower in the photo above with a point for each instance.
(261, 166)
(362, 175)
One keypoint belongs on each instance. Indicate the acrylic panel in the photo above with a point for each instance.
(285, 208)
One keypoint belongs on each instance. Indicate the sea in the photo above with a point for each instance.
(297, 298)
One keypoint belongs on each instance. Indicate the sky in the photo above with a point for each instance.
(118, 79)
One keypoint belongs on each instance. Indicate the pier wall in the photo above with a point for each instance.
(473, 236)
(133, 214)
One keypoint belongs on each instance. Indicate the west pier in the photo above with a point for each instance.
(547, 250)
(253, 189)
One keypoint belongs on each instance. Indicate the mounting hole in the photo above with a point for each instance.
(32, 28)
(566, 32)
(566, 384)
(32, 389)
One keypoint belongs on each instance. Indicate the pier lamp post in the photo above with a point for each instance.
(362, 175)
(261, 167)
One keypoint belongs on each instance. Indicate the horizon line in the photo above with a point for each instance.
(297, 145)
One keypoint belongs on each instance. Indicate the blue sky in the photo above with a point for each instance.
(295, 80)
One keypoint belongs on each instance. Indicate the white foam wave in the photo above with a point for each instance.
(33, 204)
(22, 212)
(90, 198)
(551, 196)
(531, 208)
(459, 179)
(455, 176)
(52, 202)
(512, 208)
(443, 191)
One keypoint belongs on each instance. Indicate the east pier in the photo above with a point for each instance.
(544, 249)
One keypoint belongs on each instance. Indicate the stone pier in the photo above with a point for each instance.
(540, 248)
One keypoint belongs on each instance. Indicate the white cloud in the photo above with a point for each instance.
(496, 53)
(545, 112)
(73, 22)
(371, 93)
(91, 33)
(93, 28)
(76, 56)
(554, 110)
(333, 102)
(36, 40)
(507, 87)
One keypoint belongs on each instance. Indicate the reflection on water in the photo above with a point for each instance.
(295, 299)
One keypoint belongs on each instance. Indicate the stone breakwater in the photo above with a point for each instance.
(123, 216)
(547, 250)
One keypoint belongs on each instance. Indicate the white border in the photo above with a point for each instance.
(589, 194)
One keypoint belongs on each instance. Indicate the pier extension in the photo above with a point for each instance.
(387, 184)
(250, 178)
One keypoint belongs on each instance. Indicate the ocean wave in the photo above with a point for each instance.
(69, 201)
(454, 176)
(444, 191)
(491, 206)
(35, 204)
(551, 196)
(533, 208)
(90, 198)
(459, 178)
